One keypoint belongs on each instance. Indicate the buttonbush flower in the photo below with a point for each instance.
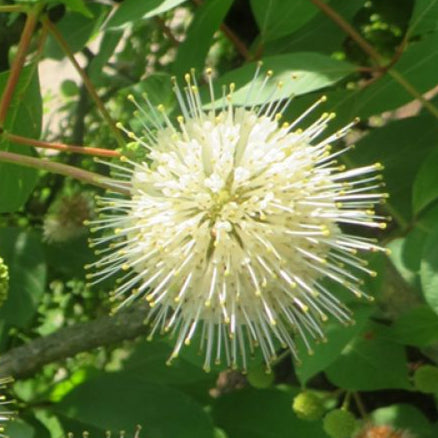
(234, 222)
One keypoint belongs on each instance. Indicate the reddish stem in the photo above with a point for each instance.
(18, 63)
(97, 152)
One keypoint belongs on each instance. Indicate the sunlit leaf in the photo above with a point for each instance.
(132, 10)
(297, 73)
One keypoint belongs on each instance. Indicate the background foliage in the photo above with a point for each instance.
(371, 58)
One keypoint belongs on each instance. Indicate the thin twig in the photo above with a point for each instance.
(62, 169)
(18, 63)
(97, 152)
(360, 406)
(90, 88)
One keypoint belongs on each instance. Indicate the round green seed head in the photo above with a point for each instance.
(308, 406)
(339, 423)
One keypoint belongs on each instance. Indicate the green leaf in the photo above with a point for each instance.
(299, 73)
(369, 363)
(106, 49)
(192, 52)
(429, 270)
(401, 146)
(326, 353)
(24, 118)
(119, 401)
(77, 29)
(277, 18)
(404, 417)
(20, 429)
(417, 327)
(425, 188)
(424, 17)
(320, 34)
(406, 256)
(252, 413)
(23, 253)
(148, 362)
(77, 252)
(134, 10)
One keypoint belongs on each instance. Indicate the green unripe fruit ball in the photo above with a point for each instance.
(259, 378)
(308, 406)
(426, 379)
(339, 423)
(4, 282)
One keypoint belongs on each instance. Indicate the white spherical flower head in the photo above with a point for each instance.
(233, 224)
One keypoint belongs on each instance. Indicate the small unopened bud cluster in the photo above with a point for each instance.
(66, 221)
(4, 281)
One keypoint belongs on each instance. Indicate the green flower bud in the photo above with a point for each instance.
(426, 379)
(308, 406)
(339, 423)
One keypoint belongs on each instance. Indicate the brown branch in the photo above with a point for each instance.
(26, 360)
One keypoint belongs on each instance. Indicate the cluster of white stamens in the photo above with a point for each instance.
(234, 225)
